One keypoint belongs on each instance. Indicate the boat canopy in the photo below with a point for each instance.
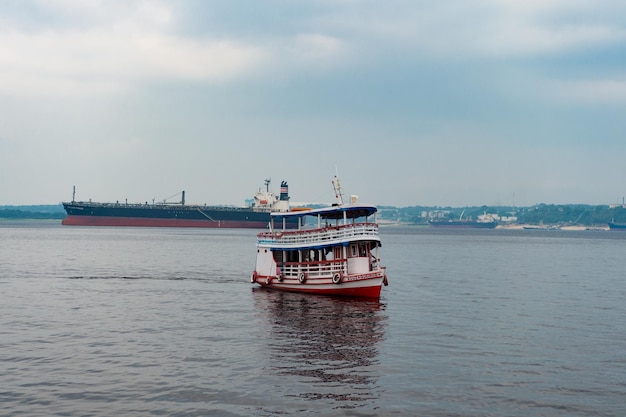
(335, 212)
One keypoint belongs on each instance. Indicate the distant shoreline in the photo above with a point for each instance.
(35, 212)
(539, 217)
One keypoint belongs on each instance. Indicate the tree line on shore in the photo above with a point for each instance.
(547, 214)
(35, 212)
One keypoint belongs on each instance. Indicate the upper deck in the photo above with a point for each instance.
(319, 237)
(333, 226)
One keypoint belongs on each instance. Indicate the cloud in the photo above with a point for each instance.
(592, 92)
(68, 62)
(86, 48)
(114, 55)
(311, 48)
(91, 48)
(461, 29)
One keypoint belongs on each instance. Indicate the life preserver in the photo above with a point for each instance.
(337, 278)
(302, 277)
(268, 281)
(280, 277)
(253, 277)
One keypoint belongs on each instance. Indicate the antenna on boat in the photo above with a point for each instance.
(267, 184)
(337, 187)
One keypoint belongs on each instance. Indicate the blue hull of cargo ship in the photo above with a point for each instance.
(162, 215)
(617, 226)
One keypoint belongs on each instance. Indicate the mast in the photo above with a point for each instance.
(337, 187)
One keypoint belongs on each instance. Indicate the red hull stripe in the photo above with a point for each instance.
(147, 222)
(365, 292)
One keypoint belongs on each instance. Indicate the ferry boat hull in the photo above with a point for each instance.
(356, 286)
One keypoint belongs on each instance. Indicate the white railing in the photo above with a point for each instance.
(319, 269)
(322, 235)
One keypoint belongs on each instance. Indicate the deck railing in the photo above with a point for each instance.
(318, 269)
(320, 235)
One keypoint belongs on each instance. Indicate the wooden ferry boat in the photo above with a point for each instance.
(337, 253)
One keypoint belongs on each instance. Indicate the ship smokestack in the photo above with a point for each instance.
(182, 201)
(284, 191)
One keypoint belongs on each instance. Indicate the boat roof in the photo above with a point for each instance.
(352, 211)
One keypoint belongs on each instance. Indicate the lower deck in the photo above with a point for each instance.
(351, 259)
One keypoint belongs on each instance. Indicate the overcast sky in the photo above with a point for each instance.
(450, 103)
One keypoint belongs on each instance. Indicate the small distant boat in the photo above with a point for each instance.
(485, 221)
(617, 226)
(541, 227)
(338, 254)
(463, 224)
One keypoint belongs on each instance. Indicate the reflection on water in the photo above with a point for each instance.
(323, 348)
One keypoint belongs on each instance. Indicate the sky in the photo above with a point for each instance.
(412, 102)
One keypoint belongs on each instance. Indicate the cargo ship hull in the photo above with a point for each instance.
(617, 226)
(95, 214)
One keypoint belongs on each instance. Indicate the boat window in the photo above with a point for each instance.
(291, 256)
(353, 250)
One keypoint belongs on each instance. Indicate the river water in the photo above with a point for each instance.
(164, 322)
